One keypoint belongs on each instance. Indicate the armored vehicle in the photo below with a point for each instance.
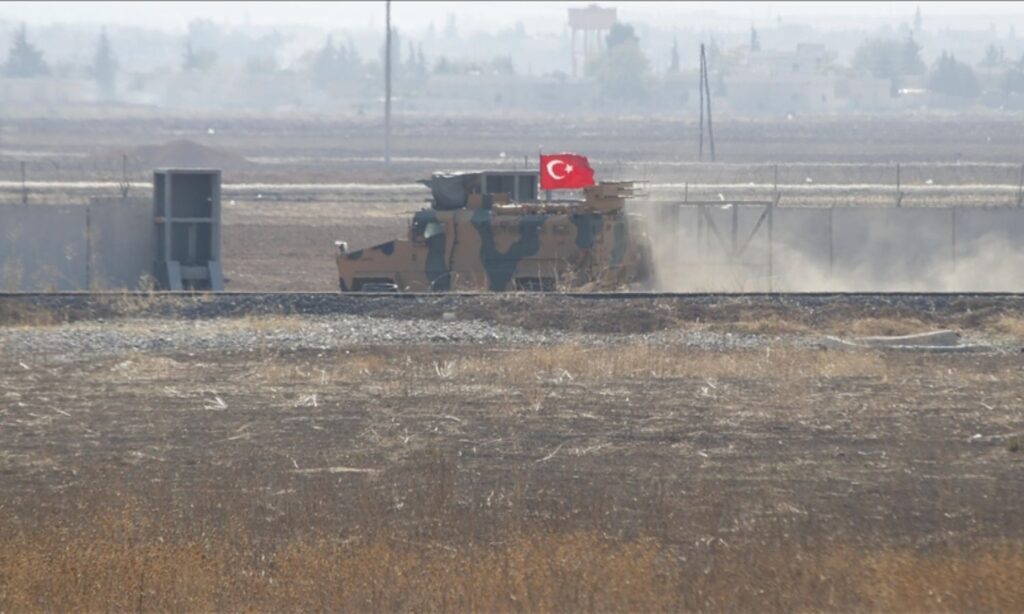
(488, 231)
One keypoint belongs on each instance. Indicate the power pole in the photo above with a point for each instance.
(387, 84)
(700, 88)
(707, 97)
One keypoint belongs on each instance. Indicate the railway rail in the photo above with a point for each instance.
(335, 302)
(569, 295)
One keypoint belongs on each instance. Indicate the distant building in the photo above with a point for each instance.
(803, 81)
(865, 93)
(781, 94)
(777, 82)
(47, 90)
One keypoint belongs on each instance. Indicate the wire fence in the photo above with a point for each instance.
(74, 179)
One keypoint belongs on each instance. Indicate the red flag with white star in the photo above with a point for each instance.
(565, 171)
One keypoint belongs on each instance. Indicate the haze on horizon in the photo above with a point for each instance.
(541, 16)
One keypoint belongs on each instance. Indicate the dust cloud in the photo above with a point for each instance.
(870, 250)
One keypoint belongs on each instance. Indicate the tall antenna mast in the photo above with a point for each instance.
(705, 98)
(387, 83)
(700, 88)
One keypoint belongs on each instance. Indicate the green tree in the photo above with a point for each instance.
(1013, 82)
(336, 64)
(502, 65)
(620, 34)
(953, 78)
(24, 60)
(198, 60)
(104, 66)
(994, 56)
(261, 64)
(889, 59)
(622, 68)
(714, 53)
(325, 64)
(673, 66)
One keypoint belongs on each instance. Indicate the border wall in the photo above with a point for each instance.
(111, 244)
(107, 244)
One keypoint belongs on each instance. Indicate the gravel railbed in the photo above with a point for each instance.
(91, 339)
(90, 325)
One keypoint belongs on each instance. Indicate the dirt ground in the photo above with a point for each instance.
(722, 446)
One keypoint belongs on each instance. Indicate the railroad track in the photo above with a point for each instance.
(630, 309)
(539, 295)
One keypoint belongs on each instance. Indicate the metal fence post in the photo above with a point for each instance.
(1020, 187)
(771, 228)
(88, 247)
(899, 194)
(953, 239)
(831, 242)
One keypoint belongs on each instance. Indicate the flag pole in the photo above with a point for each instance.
(540, 152)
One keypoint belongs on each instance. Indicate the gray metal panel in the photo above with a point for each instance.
(43, 247)
(122, 243)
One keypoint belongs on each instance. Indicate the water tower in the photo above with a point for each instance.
(593, 22)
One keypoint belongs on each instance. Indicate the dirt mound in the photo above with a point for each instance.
(181, 153)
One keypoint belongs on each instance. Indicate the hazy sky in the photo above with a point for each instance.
(537, 16)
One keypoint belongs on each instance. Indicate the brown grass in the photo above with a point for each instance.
(570, 362)
(611, 483)
(124, 561)
(651, 361)
(20, 314)
(769, 324)
(1009, 325)
(886, 326)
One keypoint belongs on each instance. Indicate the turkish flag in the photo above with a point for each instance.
(565, 171)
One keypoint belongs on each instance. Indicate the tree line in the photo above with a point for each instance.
(622, 69)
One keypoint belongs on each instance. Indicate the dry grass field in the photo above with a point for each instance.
(614, 471)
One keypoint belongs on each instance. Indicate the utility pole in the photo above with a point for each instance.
(707, 97)
(700, 88)
(387, 84)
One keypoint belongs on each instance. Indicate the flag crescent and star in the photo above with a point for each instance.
(565, 171)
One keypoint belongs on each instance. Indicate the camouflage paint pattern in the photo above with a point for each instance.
(590, 245)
